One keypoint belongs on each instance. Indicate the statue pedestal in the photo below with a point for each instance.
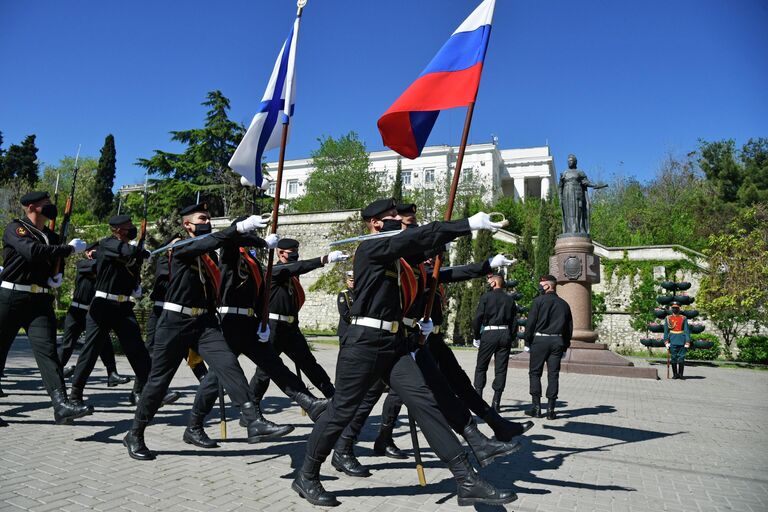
(576, 267)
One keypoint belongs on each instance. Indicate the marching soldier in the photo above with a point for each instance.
(74, 323)
(374, 348)
(286, 299)
(344, 303)
(31, 253)
(677, 339)
(240, 310)
(548, 334)
(117, 281)
(189, 320)
(495, 319)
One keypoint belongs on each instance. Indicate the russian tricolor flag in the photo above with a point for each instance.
(450, 80)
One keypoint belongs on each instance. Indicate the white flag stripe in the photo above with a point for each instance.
(482, 15)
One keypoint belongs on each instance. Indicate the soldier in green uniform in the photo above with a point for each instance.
(677, 339)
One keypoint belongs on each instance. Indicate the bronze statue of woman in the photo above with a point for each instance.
(574, 199)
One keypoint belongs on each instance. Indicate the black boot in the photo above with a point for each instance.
(134, 441)
(551, 409)
(680, 369)
(312, 405)
(307, 484)
(472, 489)
(535, 410)
(486, 450)
(675, 375)
(65, 411)
(496, 402)
(200, 371)
(344, 459)
(327, 389)
(169, 397)
(385, 445)
(115, 379)
(195, 433)
(76, 398)
(259, 427)
(505, 430)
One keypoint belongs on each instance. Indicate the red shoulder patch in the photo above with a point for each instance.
(21, 231)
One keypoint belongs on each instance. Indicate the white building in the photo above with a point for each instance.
(524, 172)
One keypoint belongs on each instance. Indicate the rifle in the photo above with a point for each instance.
(52, 222)
(142, 230)
(64, 229)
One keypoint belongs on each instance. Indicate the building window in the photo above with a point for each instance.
(406, 177)
(429, 176)
(293, 187)
(272, 188)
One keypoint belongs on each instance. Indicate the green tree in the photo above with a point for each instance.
(642, 301)
(397, 188)
(733, 294)
(458, 291)
(341, 178)
(545, 242)
(82, 208)
(101, 188)
(20, 163)
(718, 161)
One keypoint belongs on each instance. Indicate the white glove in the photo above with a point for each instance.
(476, 343)
(426, 327)
(526, 348)
(136, 293)
(1, 268)
(501, 261)
(55, 281)
(666, 344)
(272, 240)
(133, 243)
(78, 244)
(263, 335)
(482, 220)
(335, 256)
(252, 223)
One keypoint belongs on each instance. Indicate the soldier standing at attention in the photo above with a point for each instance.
(677, 339)
(31, 253)
(548, 334)
(74, 323)
(495, 319)
(117, 280)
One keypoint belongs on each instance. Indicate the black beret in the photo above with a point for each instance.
(200, 207)
(377, 208)
(287, 243)
(408, 208)
(548, 277)
(116, 220)
(91, 246)
(33, 197)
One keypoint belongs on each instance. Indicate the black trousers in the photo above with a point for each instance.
(495, 343)
(152, 327)
(34, 313)
(288, 338)
(366, 356)
(457, 378)
(240, 335)
(389, 412)
(74, 325)
(549, 350)
(174, 336)
(103, 317)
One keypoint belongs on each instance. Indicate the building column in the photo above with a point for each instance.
(520, 188)
(544, 188)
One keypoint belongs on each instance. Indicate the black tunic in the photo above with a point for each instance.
(30, 254)
(118, 266)
(281, 300)
(85, 282)
(549, 315)
(238, 287)
(495, 308)
(344, 302)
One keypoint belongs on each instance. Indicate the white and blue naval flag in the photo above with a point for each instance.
(265, 130)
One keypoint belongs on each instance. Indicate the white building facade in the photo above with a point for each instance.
(522, 173)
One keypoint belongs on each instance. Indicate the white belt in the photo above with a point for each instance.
(411, 322)
(376, 323)
(496, 327)
(79, 305)
(178, 308)
(159, 303)
(226, 310)
(31, 288)
(544, 334)
(283, 318)
(113, 297)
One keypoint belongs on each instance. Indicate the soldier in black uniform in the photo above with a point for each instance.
(240, 310)
(374, 348)
(548, 334)
(118, 264)
(31, 253)
(287, 297)
(344, 303)
(189, 320)
(495, 327)
(74, 323)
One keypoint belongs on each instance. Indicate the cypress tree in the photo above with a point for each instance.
(397, 190)
(20, 162)
(543, 243)
(101, 189)
(460, 291)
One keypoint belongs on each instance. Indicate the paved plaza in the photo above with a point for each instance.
(618, 445)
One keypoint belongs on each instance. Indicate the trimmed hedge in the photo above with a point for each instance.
(753, 349)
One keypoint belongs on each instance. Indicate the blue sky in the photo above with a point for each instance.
(621, 84)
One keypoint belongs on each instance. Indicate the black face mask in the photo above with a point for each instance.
(293, 256)
(411, 226)
(49, 211)
(391, 225)
(133, 231)
(541, 290)
(202, 229)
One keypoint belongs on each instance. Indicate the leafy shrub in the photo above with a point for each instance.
(753, 349)
(705, 354)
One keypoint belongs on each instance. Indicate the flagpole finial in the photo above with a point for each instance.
(300, 4)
